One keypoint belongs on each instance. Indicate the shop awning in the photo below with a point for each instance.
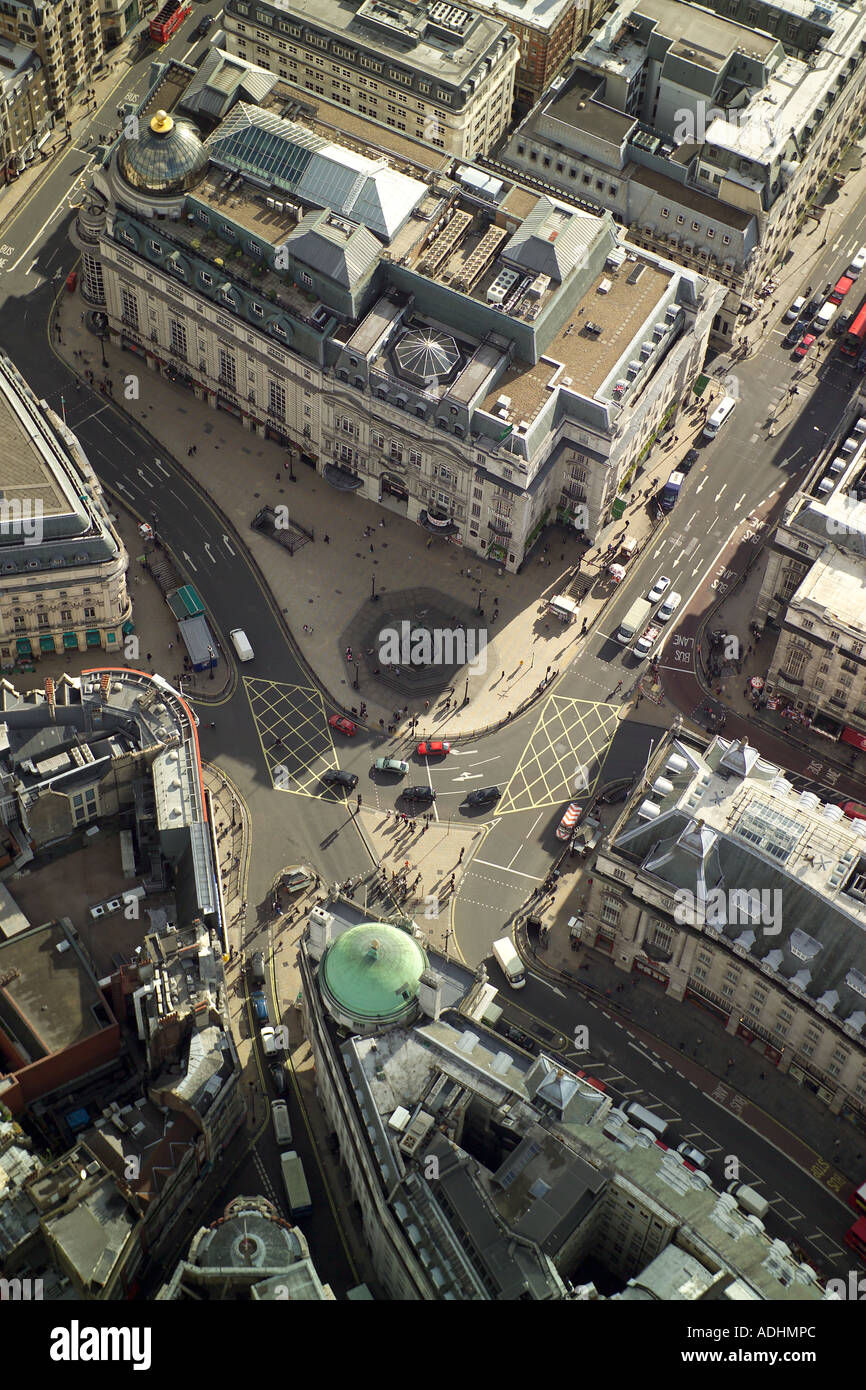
(93, 638)
(22, 647)
(46, 644)
(70, 639)
(342, 479)
(701, 385)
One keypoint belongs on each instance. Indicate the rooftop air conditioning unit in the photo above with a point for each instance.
(604, 287)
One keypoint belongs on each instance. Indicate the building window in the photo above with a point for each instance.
(276, 400)
(178, 338)
(227, 370)
(129, 311)
(610, 912)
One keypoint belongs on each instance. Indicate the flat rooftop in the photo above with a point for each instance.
(541, 14)
(701, 33)
(588, 358)
(836, 583)
(448, 48)
(574, 105)
(28, 473)
(49, 1001)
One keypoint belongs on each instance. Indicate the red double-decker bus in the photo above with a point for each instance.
(853, 342)
(855, 1238)
(857, 1200)
(170, 18)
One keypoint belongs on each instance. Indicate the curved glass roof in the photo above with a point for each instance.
(167, 157)
(423, 352)
(372, 971)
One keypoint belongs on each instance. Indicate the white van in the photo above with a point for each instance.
(823, 317)
(241, 644)
(509, 962)
(722, 412)
(282, 1123)
(750, 1200)
(645, 1119)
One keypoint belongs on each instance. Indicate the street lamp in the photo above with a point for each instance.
(481, 593)
(466, 692)
(102, 346)
(355, 682)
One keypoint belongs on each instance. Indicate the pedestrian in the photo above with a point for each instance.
(371, 550)
(327, 540)
(462, 852)
(149, 657)
(189, 454)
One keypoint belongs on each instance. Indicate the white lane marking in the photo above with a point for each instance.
(189, 562)
(548, 985)
(647, 1058)
(506, 869)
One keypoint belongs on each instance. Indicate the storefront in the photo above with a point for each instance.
(643, 967)
(131, 346)
(229, 406)
(279, 436)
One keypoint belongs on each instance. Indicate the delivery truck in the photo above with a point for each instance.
(634, 621)
(509, 962)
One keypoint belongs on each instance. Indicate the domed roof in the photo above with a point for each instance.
(371, 972)
(167, 157)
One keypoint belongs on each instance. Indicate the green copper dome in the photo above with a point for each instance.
(370, 973)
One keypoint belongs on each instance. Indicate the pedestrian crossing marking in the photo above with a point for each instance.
(571, 738)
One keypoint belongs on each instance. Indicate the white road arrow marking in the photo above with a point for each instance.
(144, 477)
(468, 777)
(462, 752)
(680, 557)
(121, 488)
(189, 562)
(695, 571)
(162, 468)
(699, 486)
(548, 985)
(210, 556)
(719, 493)
(738, 505)
(227, 546)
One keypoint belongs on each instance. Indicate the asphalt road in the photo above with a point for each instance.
(575, 731)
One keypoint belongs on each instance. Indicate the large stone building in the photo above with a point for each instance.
(706, 130)
(483, 1172)
(445, 343)
(62, 563)
(812, 593)
(25, 120)
(66, 34)
(735, 891)
(441, 72)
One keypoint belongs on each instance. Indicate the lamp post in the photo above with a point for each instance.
(466, 692)
(355, 682)
(481, 593)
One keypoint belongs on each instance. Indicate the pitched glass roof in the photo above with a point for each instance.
(289, 158)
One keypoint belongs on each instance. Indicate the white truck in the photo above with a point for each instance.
(647, 640)
(634, 620)
(509, 962)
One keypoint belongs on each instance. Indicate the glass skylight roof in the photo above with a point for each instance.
(769, 830)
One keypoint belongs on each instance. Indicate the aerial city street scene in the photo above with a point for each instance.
(433, 642)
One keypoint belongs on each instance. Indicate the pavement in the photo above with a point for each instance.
(318, 592)
(735, 1073)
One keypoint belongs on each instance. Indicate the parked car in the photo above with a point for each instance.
(422, 793)
(803, 346)
(591, 1080)
(344, 725)
(484, 796)
(433, 748)
(660, 587)
(257, 968)
(260, 1005)
(278, 1076)
(795, 333)
(841, 325)
(335, 777)
(813, 306)
(669, 607)
(204, 25)
(691, 458)
(795, 309)
(395, 765)
(269, 1041)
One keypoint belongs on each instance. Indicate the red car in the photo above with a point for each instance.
(434, 748)
(345, 726)
(854, 811)
(71, 280)
(804, 344)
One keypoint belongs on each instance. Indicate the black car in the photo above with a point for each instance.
(204, 24)
(841, 325)
(422, 793)
(812, 307)
(484, 796)
(278, 1076)
(795, 333)
(691, 458)
(335, 777)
